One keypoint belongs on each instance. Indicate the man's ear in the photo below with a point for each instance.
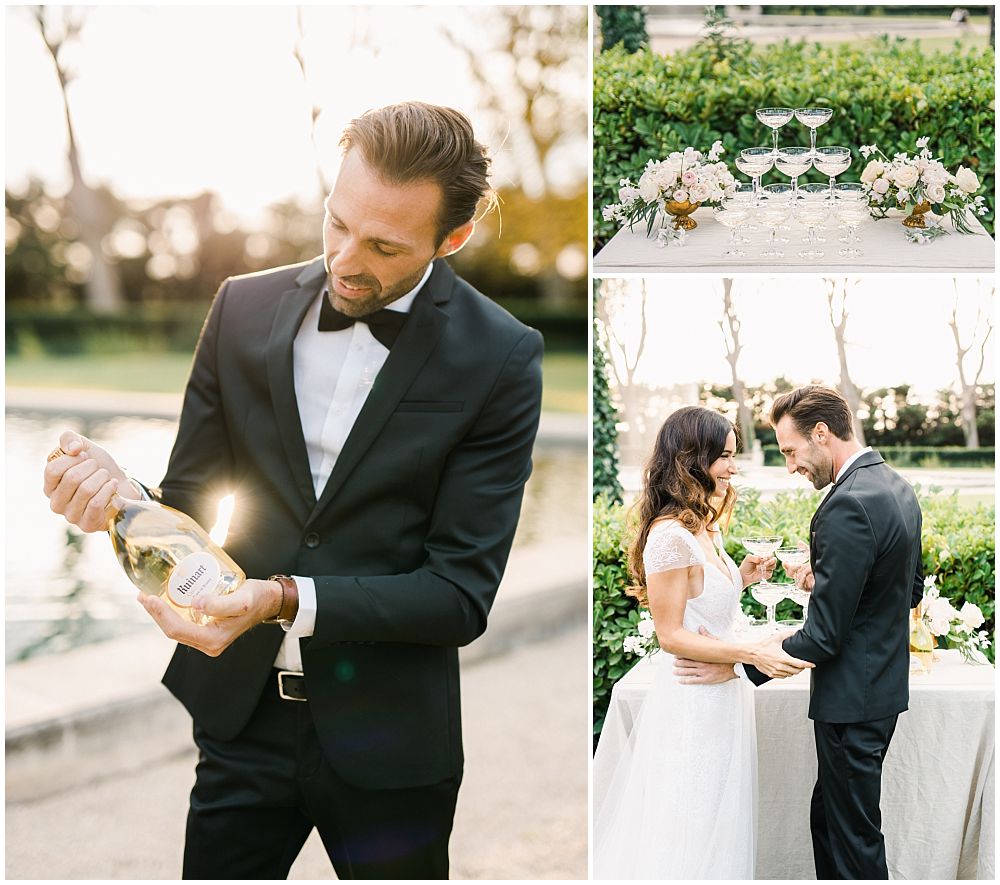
(821, 432)
(456, 239)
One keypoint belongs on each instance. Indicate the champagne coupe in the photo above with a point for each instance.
(762, 545)
(832, 161)
(769, 595)
(775, 118)
(811, 208)
(851, 207)
(799, 597)
(732, 212)
(743, 195)
(813, 118)
(793, 162)
(755, 162)
(773, 212)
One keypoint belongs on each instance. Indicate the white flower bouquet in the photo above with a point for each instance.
(686, 176)
(906, 182)
(958, 626)
(644, 640)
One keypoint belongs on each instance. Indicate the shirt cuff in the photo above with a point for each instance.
(140, 488)
(305, 618)
(738, 669)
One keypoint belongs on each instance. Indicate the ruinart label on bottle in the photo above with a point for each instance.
(194, 575)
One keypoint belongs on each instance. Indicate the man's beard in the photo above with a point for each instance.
(376, 299)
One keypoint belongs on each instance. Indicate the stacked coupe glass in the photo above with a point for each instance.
(773, 206)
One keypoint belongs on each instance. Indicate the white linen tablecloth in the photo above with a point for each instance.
(883, 242)
(937, 780)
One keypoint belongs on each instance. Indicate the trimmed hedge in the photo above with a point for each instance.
(175, 327)
(883, 92)
(958, 546)
(914, 456)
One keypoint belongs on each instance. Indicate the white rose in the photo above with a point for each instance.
(935, 193)
(880, 186)
(647, 628)
(906, 177)
(680, 195)
(649, 190)
(872, 171)
(699, 193)
(628, 195)
(941, 613)
(971, 616)
(966, 179)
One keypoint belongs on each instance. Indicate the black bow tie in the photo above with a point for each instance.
(384, 324)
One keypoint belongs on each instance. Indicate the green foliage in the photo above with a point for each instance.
(883, 92)
(958, 546)
(622, 24)
(615, 614)
(605, 418)
(914, 456)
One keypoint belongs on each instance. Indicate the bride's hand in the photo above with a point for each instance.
(771, 659)
(751, 563)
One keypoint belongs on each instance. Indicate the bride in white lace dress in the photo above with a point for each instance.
(682, 801)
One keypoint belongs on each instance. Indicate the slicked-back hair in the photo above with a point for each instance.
(809, 405)
(413, 141)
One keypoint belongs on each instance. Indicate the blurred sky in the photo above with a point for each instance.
(170, 101)
(897, 330)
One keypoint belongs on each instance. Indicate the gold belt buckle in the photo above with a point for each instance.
(281, 685)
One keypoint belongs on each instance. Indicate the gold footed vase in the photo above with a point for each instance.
(916, 216)
(681, 213)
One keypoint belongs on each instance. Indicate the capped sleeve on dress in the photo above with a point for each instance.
(670, 546)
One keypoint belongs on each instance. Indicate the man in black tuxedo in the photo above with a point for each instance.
(865, 564)
(374, 416)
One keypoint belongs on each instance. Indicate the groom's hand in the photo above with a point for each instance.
(772, 660)
(232, 615)
(690, 672)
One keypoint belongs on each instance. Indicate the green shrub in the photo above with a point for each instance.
(958, 546)
(883, 92)
(914, 456)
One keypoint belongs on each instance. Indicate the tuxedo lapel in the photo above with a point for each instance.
(281, 377)
(415, 342)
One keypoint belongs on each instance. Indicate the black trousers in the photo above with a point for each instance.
(845, 818)
(257, 798)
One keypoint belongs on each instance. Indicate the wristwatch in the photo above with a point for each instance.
(289, 601)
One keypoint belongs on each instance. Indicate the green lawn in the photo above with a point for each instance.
(565, 382)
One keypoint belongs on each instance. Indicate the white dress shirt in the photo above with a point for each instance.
(334, 373)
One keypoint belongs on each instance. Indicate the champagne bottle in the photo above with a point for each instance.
(167, 554)
(921, 640)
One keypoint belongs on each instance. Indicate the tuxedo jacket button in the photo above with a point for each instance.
(312, 540)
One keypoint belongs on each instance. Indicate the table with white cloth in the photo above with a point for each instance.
(937, 779)
(883, 242)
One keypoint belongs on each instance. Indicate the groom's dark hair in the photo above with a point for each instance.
(413, 141)
(809, 405)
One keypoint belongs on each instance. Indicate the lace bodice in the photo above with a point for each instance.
(671, 546)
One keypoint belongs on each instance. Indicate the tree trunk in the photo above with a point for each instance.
(733, 348)
(848, 388)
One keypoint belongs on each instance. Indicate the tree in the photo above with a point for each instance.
(967, 388)
(606, 480)
(837, 303)
(527, 63)
(622, 24)
(102, 286)
(731, 339)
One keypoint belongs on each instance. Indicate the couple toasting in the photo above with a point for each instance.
(682, 801)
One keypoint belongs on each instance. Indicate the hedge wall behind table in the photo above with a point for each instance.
(958, 547)
(883, 92)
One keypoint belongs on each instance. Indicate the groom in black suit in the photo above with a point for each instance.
(374, 416)
(864, 543)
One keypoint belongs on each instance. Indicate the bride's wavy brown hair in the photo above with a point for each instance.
(677, 483)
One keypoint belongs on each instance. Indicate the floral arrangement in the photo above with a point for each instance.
(959, 627)
(684, 176)
(644, 640)
(904, 182)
